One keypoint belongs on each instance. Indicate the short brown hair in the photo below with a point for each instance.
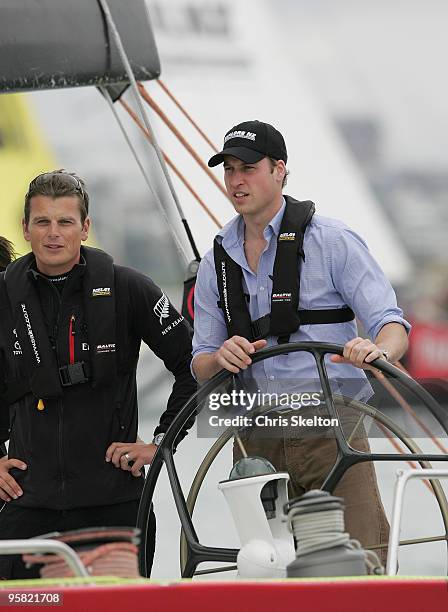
(273, 163)
(7, 253)
(57, 184)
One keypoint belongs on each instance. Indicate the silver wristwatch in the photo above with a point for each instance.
(158, 439)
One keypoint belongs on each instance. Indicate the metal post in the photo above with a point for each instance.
(403, 477)
(14, 547)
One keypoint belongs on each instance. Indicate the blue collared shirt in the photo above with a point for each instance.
(338, 271)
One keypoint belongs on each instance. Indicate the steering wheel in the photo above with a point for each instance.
(192, 551)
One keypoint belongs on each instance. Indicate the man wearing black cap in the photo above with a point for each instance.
(251, 146)
(279, 273)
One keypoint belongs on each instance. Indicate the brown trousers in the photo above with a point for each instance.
(308, 458)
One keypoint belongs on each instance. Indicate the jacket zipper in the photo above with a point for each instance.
(61, 449)
(71, 338)
(60, 403)
(71, 347)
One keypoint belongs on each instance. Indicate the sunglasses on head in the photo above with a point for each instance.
(68, 177)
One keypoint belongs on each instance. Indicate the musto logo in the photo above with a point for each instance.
(224, 292)
(29, 330)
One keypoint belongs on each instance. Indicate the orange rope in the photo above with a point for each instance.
(114, 559)
(401, 367)
(401, 452)
(172, 165)
(104, 551)
(187, 115)
(404, 404)
(145, 95)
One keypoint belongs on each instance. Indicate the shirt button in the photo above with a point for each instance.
(271, 377)
(261, 288)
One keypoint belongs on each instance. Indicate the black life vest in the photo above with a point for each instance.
(285, 317)
(40, 373)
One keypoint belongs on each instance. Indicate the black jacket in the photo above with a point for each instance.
(64, 444)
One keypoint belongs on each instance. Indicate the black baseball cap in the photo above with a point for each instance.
(250, 141)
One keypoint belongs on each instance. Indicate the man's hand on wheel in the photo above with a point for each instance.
(234, 354)
(359, 352)
(131, 456)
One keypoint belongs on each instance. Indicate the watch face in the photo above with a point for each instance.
(158, 439)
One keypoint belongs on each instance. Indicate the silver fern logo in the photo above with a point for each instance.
(162, 308)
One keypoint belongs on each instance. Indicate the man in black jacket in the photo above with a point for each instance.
(71, 324)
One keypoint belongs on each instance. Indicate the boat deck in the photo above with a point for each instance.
(368, 594)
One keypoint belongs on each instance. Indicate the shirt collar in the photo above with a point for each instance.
(232, 234)
(273, 227)
(77, 270)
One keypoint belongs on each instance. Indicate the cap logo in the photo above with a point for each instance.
(240, 134)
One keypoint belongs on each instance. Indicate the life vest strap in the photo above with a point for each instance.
(261, 326)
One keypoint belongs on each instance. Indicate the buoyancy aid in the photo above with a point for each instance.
(40, 372)
(285, 317)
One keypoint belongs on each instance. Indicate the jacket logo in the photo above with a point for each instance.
(172, 325)
(281, 297)
(105, 348)
(17, 350)
(101, 292)
(287, 236)
(162, 308)
(225, 294)
(29, 329)
(59, 279)
(240, 134)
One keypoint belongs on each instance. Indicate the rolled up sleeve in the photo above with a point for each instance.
(362, 283)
